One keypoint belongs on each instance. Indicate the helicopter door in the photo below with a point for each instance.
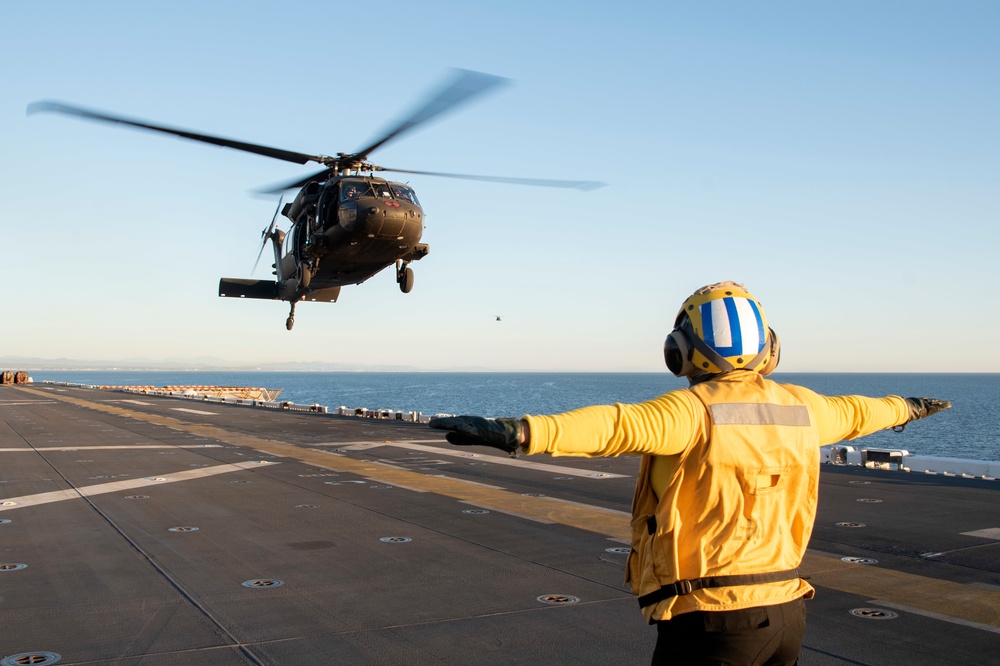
(289, 254)
(292, 241)
(328, 207)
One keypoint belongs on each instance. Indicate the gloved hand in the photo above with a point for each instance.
(503, 434)
(923, 407)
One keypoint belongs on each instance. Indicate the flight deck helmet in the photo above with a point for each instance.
(721, 328)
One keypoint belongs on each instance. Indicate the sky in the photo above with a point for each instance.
(841, 159)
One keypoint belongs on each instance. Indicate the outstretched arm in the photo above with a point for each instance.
(846, 417)
(505, 434)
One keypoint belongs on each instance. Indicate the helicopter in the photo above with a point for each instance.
(346, 223)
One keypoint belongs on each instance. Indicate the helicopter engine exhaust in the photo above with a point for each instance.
(307, 196)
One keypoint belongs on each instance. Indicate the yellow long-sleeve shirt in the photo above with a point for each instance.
(728, 483)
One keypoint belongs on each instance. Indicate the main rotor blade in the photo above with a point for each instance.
(277, 153)
(464, 86)
(319, 176)
(585, 185)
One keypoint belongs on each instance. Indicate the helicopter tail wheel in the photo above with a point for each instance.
(405, 279)
(291, 318)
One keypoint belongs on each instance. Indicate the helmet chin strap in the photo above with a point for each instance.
(721, 363)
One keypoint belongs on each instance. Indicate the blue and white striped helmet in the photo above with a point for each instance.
(727, 330)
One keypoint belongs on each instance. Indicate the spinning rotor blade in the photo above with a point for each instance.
(319, 177)
(585, 185)
(464, 86)
(277, 153)
(266, 234)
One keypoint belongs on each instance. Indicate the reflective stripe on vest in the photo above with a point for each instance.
(757, 413)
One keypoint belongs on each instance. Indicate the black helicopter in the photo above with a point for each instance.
(347, 224)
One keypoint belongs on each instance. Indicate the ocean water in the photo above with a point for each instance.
(970, 430)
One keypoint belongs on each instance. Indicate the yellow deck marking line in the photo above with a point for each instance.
(936, 616)
(549, 509)
(493, 460)
(12, 503)
(932, 595)
(955, 600)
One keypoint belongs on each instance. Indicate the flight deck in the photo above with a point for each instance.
(141, 529)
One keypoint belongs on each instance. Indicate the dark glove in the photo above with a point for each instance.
(503, 434)
(923, 407)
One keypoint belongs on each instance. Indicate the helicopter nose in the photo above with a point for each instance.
(393, 223)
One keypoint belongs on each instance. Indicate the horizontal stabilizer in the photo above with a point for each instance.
(237, 288)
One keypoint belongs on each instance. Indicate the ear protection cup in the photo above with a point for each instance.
(677, 352)
(774, 356)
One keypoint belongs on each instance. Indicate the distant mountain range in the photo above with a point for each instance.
(27, 363)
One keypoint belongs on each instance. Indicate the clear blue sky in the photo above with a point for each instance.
(842, 159)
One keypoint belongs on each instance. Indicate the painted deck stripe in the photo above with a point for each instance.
(493, 460)
(70, 447)
(931, 595)
(25, 501)
(988, 533)
(936, 616)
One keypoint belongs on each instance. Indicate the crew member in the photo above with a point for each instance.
(727, 489)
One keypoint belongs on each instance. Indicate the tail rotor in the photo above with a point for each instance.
(266, 233)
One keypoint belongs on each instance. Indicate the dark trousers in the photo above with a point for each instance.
(765, 635)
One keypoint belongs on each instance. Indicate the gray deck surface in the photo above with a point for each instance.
(335, 540)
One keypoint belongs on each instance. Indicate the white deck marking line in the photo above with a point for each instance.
(936, 616)
(432, 476)
(134, 402)
(988, 533)
(130, 484)
(4, 403)
(496, 460)
(70, 447)
(193, 411)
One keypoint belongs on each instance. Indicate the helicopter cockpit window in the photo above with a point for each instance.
(352, 189)
(382, 190)
(405, 193)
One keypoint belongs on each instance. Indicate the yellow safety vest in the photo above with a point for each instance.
(741, 504)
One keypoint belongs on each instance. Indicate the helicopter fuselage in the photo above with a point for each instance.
(346, 230)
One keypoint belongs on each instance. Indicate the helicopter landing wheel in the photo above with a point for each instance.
(306, 277)
(405, 279)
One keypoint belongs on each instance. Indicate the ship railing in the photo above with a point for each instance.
(903, 461)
